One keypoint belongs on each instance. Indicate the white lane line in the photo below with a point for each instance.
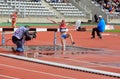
(9, 77)
(30, 70)
(87, 62)
(108, 34)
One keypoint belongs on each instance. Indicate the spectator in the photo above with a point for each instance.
(96, 18)
(118, 8)
(113, 8)
(37, 0)
(100, 28)
(110, 5)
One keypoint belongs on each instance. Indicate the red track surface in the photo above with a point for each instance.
(108, 60)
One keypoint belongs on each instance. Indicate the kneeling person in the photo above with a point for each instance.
(19, 37)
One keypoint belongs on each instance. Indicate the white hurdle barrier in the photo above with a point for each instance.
(55, 30)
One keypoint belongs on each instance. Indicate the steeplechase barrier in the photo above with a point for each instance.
(55, 30)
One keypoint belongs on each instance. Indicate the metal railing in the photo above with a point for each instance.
(113, 18)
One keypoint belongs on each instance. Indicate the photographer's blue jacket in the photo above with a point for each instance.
(101, 25)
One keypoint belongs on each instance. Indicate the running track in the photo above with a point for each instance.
(18, 69)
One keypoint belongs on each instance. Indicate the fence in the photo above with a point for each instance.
(55, 30)
(113, 18)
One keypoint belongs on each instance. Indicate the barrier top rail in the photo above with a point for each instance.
(32, 29)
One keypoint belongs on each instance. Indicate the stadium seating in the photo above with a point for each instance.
(1, 0)
(38, 10)
(26, 8)
(67, 9)
(33, 8)
(5, 9)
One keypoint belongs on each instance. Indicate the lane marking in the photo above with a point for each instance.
(108, 34)
(10, 77)
(87, 62)
(78, 68)
(30, 70)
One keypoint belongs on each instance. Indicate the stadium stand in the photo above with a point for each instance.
(111, 8)
(93, 7)
(31, 8)
(58, 9)
(5, 8)
(37, 10)
(67, 9)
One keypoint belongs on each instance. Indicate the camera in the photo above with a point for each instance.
(34, 34)
(30, 36)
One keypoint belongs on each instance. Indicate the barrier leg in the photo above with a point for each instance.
(3, 38)
(55, 40)
(63, 42)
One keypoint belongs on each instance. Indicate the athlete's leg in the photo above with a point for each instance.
(63, 42)
(13, 24)
(69, 35)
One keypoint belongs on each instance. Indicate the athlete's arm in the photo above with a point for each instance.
(52, 21)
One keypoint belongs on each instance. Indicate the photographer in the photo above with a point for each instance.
(19, 37)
